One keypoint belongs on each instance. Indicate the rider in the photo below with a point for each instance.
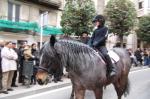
(98, 41)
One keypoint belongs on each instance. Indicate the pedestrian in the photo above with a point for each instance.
(133, 58)
(9, 57)
(138, 55)
(98, 42)
(20, 60)
(15, 72)
(85, 38)
(1, 46)
(27, 65)
(35, 53)
(149, 57)
(146, 57)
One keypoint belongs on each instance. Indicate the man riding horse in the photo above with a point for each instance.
(98, 42)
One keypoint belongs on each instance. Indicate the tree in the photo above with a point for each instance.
(121, 16)
(77, 17)
(143, 31)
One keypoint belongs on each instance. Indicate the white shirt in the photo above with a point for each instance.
(9, 57)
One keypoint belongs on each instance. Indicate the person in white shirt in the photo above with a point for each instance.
(9, 65)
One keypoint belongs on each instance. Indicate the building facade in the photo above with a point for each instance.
(25, 12)
(143, 9)
(99, 6)
(131, 41)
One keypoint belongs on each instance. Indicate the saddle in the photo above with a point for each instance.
(113, 55)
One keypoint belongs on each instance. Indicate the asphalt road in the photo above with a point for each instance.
(139, 89)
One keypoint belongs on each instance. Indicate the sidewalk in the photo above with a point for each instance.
(133, 68)
(22, 91)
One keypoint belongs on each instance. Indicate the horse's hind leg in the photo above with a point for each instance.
(118, 89)
(98, 93)
(121, 87)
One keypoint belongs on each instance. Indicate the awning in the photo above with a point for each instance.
(6, 24)
(49, 30)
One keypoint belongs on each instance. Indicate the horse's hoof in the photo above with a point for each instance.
(72, 97)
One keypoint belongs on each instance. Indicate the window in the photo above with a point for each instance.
(10, 14)
(140, 5)
(45, 17)
(13, 12)
(148, 3)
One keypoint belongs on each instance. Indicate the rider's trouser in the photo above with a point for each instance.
(110, 66)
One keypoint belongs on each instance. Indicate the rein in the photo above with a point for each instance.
(42, 68)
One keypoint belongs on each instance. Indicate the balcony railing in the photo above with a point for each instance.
(49, 3)
(28, 27)
(54, 2)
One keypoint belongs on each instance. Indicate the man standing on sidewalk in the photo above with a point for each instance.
(1, 46)
(15, 72)
(9, 57)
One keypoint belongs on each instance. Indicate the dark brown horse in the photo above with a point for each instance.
(86, 68)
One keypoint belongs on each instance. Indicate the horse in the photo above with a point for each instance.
(85, 67)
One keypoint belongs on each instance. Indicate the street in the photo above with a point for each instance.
(139, 89)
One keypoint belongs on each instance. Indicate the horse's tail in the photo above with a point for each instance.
(127, 88)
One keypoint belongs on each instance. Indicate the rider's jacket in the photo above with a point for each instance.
(99, 37)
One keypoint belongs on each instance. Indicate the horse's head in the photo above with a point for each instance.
(48, 60)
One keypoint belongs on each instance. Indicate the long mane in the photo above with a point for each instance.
(77, 56)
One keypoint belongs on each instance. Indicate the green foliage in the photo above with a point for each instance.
(121, 15)
(144, 28)
(77, 16)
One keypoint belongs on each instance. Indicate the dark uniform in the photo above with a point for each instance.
(15, 72)
(98, 41)
(0, 70)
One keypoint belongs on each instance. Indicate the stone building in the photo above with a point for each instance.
(20, 19)
(132, 41)
(143, 8)
(99, 6)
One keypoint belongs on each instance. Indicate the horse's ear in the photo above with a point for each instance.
(52, 40)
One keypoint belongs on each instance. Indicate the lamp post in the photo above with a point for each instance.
(43, 17)
(41, 31)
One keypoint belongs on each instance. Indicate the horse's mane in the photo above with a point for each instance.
(76, 46)
(48, 53)
(77, 55)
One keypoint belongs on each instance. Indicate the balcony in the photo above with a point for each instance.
(51, 2)
(140, 12)
(48, 3)
(26, 27)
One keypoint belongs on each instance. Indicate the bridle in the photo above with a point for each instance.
(44, 69)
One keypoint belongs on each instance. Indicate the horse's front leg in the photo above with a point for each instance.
(79, 92)
(98, 93)
(72, 93)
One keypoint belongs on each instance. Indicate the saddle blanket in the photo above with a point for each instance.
(114, 56)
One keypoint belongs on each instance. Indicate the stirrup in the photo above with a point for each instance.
(112, 74)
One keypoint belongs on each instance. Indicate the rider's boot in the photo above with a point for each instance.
(111, 67)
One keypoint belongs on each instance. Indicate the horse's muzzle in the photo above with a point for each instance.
(40, 82)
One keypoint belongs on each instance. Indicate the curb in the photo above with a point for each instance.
(138, 68)
(32, 92)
